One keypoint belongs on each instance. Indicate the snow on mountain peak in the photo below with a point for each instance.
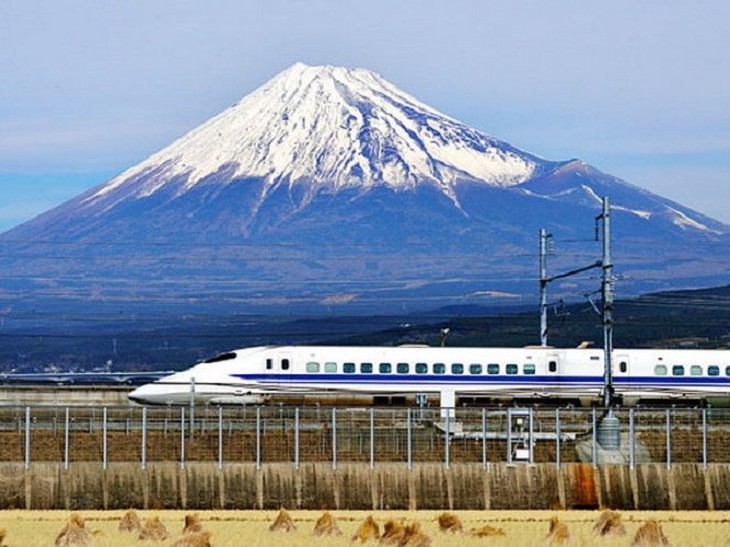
(331, 126)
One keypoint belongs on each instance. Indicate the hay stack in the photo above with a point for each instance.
(393, 533)
(192, 524)
(558, 533)
(449, 522)
(130, 522)
(193, 539)
(326, 525)
(650, 535)
(74, 532)
(486, 531)
(415, 537)
(609, 524)
(368, 530)
(153, 530)
(282, 522)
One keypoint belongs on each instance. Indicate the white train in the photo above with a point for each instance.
(260, 374)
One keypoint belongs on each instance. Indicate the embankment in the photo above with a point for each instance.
(357, 486)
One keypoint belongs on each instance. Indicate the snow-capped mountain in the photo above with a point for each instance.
(331, 185)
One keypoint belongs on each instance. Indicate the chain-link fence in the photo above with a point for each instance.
(367, 435)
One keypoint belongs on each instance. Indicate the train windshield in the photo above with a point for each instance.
(222, 357)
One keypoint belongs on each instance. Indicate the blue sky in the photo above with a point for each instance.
(641, 90)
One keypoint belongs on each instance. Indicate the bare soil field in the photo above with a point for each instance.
(235, 528)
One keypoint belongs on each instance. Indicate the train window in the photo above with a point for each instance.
(511, 369)
(553, 366)
(222, 357)
(385, 368)
(660, 370)
(457, 368)
(713, 370)
(695, 370)
(623, 366)
(528, 369)
(475, 369)
(269, 364)
(348, 368)
(330, 367)
(727, 371)
(678, 370)
(403, 368)
(366, 368)
(439, 368)
(312, 367)
(421, 368)
(492, 368)
(285, 364)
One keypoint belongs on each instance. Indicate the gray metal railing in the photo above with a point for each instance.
(335, 435)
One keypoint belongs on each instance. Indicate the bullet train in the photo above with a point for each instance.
(274, 373)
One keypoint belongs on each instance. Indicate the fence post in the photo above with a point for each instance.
(334, 438)
(484, 437)
(258, 437)
(704, 438)
(557, 438)
(182, 437)
(509, 436)
(531, 431)
(594, 447)
(632, 440)
(144, 437)
(669, 439)
(192, 407)
(296, 438)
(104, 446)
(372, 438)
(408, 439)
(220, 437)
(66, 423)
(447, 441)
(27, 437)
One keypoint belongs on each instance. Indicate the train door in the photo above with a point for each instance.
(552, 373)
(621, 372)
(283, 366)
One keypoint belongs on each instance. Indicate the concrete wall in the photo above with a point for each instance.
(357, 486)
(64, 395)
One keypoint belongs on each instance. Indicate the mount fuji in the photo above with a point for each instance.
(328, 187)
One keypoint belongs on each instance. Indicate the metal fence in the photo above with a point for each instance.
(338, 435)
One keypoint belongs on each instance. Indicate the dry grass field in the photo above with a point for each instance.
(236, 528)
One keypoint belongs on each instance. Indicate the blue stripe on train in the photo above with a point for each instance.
(359, 378)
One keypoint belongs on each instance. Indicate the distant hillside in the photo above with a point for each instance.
(698, 318)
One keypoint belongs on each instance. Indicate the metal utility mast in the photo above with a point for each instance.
(544, 235)
(607, 297)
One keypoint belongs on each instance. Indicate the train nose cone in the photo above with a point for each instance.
(146, 394)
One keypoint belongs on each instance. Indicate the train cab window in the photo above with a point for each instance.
(348, 368)
(285, 364)
(402, 368)
(511, 369)
(385, 368)
(439, 368)
(222, 357)
(269, 364)
(623, 366)
(695, 370)
(660, 370)
(457, 368)
(475, 369)
(312, 367)
(366, 368)
(553, 366)
(330, 367)
(713, 370)
(678, 370)
(528, 368)
(492, 368)
(421, 368)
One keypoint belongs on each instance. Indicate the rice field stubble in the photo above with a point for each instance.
(235, 528)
